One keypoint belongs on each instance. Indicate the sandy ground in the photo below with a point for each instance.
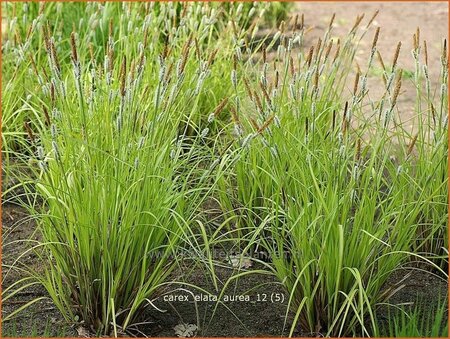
(398, 22)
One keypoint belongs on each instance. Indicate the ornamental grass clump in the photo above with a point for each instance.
(24, 66)
(131, 117)
(413, 322)
(427, 153)
(112, 188)
(319, 191)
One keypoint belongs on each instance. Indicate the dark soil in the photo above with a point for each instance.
(251, 310)
(234, 318)
(17, 231)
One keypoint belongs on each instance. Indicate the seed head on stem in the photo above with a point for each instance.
(55, 60)
(254, 124)
(328, 50)
(330, 25)
(433, 114)
(52, 93)
(398, 86)
(344, 119)
(211, 58)
(73, 45)
(46, 116)
(266, 95)
(292, 66)
(375, 38)
(294, 26)
(411, 145)
(358, 150)
(26, 124)
(380, 60)
(418, 37)
(355, 85)
(425, 50)
(357, 22)
(444, 54)
(266, 124)
(372, 18)
(248, 88)
(318, 46)
(218, 110)
(397, 53)
(336, 53)
(123, 70)
(258, 101)
(310, 55)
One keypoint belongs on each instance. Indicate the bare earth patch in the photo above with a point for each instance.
(398, 23)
